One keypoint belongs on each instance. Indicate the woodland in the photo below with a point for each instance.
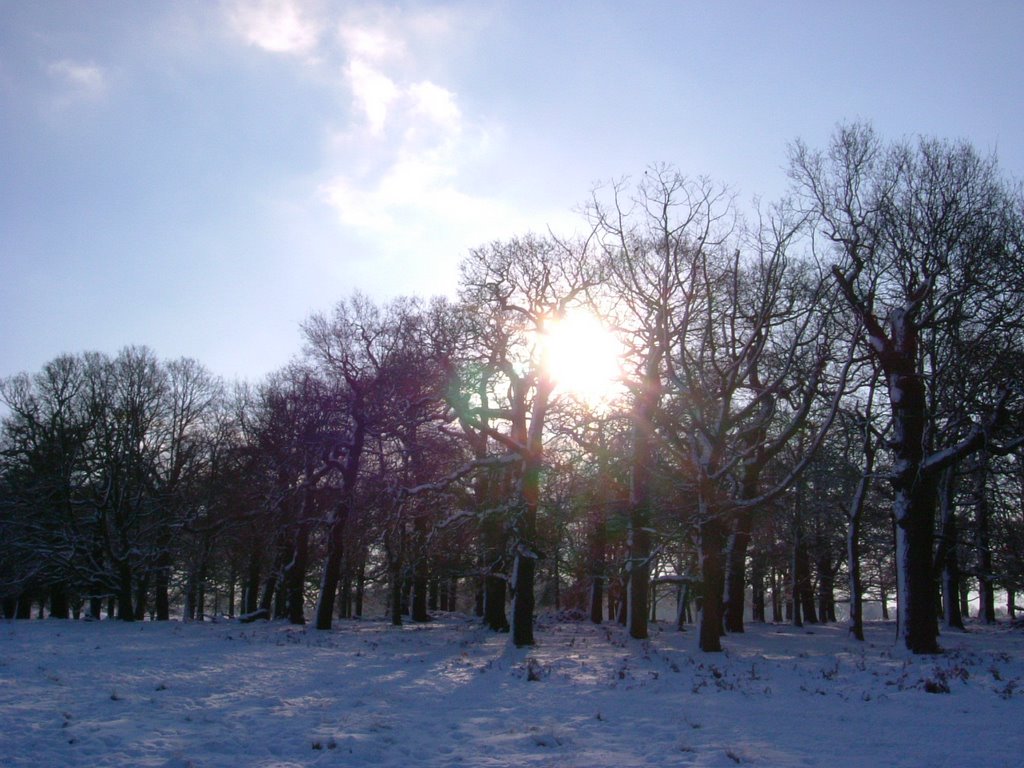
(815, 407)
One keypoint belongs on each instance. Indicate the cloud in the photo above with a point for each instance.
(369, 43)
(373, 93)
(399, 172)
(277, 26)
(79, 80)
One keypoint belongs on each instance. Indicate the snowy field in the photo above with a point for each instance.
(451, 694)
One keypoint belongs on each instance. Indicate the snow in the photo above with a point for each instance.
(450, 693)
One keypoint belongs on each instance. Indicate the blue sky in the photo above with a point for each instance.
(199, 176)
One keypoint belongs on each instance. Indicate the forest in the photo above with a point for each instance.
(817, 407)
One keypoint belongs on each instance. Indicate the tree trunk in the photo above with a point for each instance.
(295, 576)
(525, 565)
(336, 532)
(395, 583)
(295, 572)
(420, 571)
(60, 607)
(437, 597)
(523, 574)
(914, 492)
(856, 628)
(596, 598)
(162, 597)
(757, 601)
(986, 589)
(360, 587)
(713, 535)
(735, 586)
(495, 586)
(946, 557)
(124, 591)
(804, 582)
(778, 597)
(141, 594)
(826, 585)
(638, 567)
(332, 567)
(854, 515)
(251, 595)
(598, 542)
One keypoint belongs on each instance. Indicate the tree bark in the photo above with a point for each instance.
(983, 544)
(735, 586)
(946, 558)
(598, 544)
(638, 568)
(713, 535)
(525, 565)
(420, 572)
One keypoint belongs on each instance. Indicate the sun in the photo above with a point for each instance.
(583, 358)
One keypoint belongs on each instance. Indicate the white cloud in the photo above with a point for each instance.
(373, 93)
(370, 43)
(80, 80)
(398, 174)
(436, 104)
(278, 26)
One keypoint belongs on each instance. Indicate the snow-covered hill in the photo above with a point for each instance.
(452, 694)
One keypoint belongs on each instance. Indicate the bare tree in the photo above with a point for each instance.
(733, 346)
(515, 289)
(926, 236)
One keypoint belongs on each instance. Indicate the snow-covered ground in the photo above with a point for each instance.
(452, 694)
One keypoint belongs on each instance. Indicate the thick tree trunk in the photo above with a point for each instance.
(295, 571)
(735, 585)
(162, 597)
(60, 607)
(914, 495)
(596, 598)
(495, 597)
(638, 583)
(495, 587)
(24, 608)
(124, 592)
(336, 532)
(524, 568)
(523, 575)
(332, 568)
(269, 590)
(713, 535)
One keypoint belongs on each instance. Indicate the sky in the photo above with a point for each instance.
(201, 176)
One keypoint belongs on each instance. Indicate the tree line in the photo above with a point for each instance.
(821, 402)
